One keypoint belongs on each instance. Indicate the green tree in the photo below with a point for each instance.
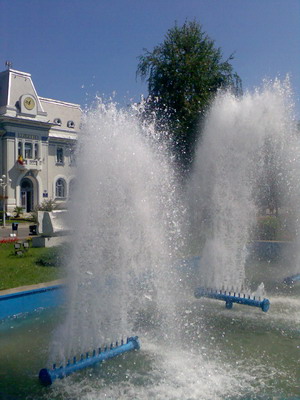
(183, 74)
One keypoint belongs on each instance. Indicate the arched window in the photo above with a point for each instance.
(26, 187)
(60, 188)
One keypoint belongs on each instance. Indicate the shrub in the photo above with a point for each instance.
(46, 205)
(268, 228)
(52, 258)
(18, 211)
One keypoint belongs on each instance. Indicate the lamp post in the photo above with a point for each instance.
(4, 181)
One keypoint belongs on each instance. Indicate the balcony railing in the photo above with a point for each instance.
(30, 164)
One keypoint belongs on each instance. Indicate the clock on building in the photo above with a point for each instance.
(29, 102)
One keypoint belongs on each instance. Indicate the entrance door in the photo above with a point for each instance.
(27, 195)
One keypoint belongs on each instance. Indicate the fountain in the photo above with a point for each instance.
(128, 216)
(250, 146)
(125, 218)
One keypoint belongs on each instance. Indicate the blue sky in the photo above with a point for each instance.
(77, 49)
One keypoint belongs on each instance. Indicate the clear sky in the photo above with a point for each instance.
(76, 49)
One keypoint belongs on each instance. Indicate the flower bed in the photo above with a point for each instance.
(9, 240)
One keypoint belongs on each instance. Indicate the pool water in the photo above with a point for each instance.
(215, 353)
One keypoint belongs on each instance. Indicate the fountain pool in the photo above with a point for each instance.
(222, 354)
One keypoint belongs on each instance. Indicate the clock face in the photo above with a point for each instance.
(29, 103)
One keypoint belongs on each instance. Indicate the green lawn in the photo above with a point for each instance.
(37, 265)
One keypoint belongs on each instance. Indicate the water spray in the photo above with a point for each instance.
(231, 298)
(48, 376)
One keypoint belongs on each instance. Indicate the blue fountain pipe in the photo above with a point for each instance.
(231, 298)
(48, 376)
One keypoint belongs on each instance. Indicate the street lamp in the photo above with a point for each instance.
(4, 181)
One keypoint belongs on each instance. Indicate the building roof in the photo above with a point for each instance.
(19, 99)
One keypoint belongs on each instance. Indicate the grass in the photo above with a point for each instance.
(37, 265)
(19, 220)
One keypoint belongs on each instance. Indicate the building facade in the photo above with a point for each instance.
(37, 144)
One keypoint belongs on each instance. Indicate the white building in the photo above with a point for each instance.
(37, 143)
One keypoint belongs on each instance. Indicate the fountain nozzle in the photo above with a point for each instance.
(230, 299)
(48, 376)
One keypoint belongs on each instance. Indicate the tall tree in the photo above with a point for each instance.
(183, 74)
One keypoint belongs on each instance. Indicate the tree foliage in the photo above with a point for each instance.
(183, 74)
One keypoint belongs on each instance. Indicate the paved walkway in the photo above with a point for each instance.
(22, 232)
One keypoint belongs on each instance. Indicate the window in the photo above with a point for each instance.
(71, 124)
(28, 150)
(72, 156)
(60, 188)
(20, 149)
(59, 155)
(72, 186)
(36, 150)
(57, 121)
